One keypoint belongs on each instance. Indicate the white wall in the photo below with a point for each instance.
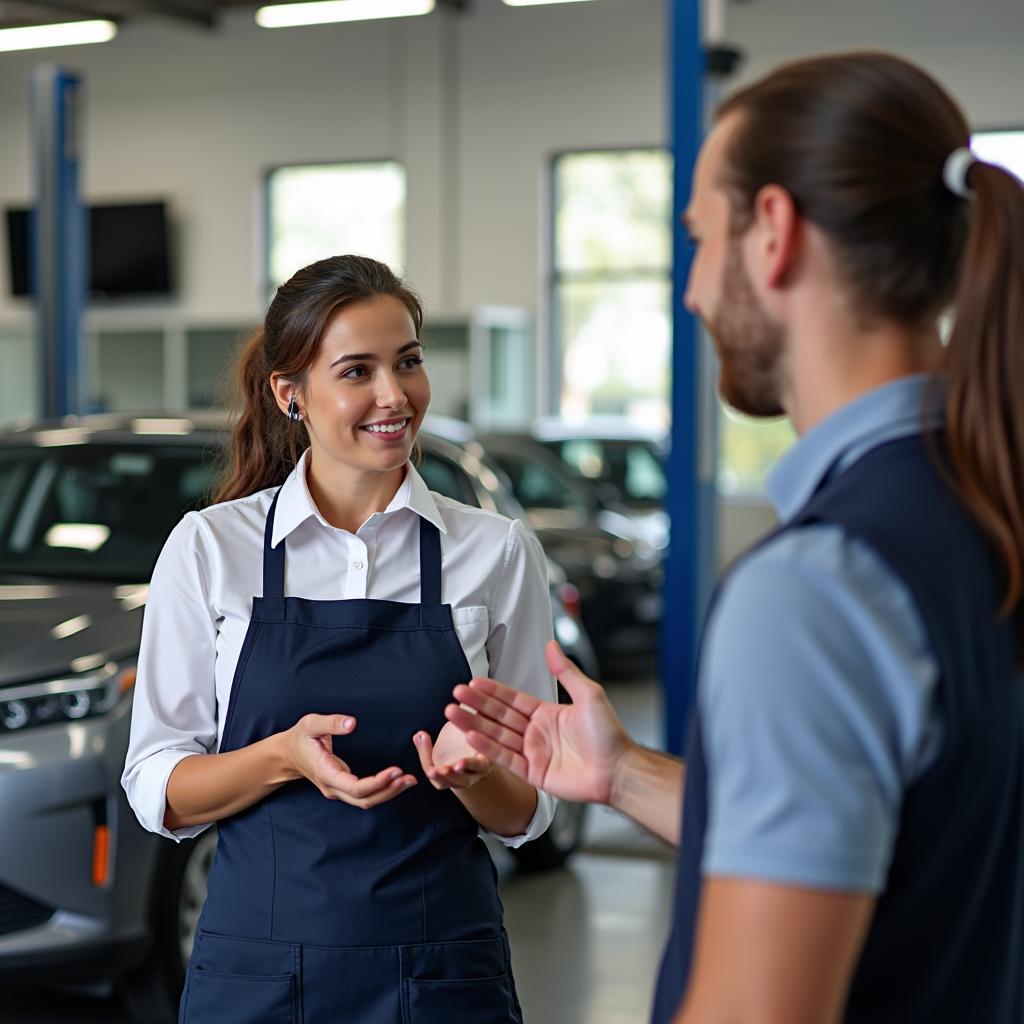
(473, 105)
(975, 49)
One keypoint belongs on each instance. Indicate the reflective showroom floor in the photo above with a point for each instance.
(585, 940)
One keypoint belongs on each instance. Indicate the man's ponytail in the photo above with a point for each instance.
(984, 371)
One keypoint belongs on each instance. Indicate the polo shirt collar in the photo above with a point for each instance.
(896, 409)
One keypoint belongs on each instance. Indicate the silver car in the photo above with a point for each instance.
(86, 894)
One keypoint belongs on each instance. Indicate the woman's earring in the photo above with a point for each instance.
(293, 410)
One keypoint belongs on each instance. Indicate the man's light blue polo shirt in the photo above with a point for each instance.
(818, 684)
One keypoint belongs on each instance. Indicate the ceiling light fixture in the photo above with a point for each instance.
(537, 3)
(64, 33)
(322, 12)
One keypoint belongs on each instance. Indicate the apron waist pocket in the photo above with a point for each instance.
(474, 1001)
(218, 997)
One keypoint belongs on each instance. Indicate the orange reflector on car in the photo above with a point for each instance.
(127, 680)
(100, 854)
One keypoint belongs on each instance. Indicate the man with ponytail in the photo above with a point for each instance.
(302, 637)
(850, 812)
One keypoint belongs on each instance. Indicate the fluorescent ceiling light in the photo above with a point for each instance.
(537, 3)
(67, 33)
(321, 12)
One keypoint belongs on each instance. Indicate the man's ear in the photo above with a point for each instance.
(776, 233)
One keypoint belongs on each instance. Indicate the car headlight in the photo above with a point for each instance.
(63, 700)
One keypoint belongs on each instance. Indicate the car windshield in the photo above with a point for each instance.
(535, 486)
(632, 468)
(96, 511)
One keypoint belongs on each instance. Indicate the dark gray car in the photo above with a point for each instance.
(85, 506)
(608, 554)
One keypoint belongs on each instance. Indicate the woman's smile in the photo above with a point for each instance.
(388, 431)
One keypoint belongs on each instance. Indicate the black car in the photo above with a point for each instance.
(611, 560)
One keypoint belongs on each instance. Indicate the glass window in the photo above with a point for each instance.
(611, 277)
(632, 469)
(322, 210)
(612, 308)
(1005, 148)
(748, 448)
(210, 360)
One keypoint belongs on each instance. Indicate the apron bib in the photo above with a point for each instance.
(321, 913)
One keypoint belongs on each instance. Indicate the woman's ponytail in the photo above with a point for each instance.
(264, 444)
(984, 371)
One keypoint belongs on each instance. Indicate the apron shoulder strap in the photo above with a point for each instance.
(430, 563)
(273, 558)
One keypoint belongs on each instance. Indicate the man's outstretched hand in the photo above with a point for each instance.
(569, 750)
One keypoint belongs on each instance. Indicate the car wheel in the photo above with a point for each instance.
(151, 994)
(562, 837)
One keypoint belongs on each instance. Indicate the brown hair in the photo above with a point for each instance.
(859, 141)
(265, 444)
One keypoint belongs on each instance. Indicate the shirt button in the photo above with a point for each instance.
(358, 566)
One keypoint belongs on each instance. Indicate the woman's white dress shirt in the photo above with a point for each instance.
(494, 575)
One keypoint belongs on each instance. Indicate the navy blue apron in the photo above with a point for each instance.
(318, 911)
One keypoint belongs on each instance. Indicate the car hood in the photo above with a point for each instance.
(50, 629)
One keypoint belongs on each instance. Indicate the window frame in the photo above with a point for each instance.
(554, 278)
(266, 283)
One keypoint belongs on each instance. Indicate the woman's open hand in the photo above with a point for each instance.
(450, 762)
(311, 755)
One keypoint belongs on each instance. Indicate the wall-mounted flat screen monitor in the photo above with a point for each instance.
(128, 248)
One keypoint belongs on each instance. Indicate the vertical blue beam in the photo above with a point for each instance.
(690, 563)
(58, 239)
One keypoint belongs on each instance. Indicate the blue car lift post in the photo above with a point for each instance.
(691, 503)
(58, 251)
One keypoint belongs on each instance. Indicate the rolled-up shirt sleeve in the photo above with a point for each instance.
(520, 627)
(174, 713)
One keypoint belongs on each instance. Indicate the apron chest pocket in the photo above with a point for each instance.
(214, 997)
(473, 1001)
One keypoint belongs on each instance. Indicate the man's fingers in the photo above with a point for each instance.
(495, 731)
(576, 684)
(478, 697)
(497, 754)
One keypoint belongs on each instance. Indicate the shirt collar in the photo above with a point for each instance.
(295, 504)
(896, 409)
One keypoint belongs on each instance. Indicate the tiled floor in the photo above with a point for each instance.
(586, 940)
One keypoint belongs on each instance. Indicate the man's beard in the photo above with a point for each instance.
(750, 344)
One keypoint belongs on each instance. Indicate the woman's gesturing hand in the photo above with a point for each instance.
(450, 763)
(570, 750)
(311, 755)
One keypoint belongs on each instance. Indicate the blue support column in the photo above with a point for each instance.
(58, 243)
(690, 565)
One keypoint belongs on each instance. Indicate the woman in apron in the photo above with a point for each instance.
(302, 638)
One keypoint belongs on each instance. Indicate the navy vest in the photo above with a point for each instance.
(946, 945)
